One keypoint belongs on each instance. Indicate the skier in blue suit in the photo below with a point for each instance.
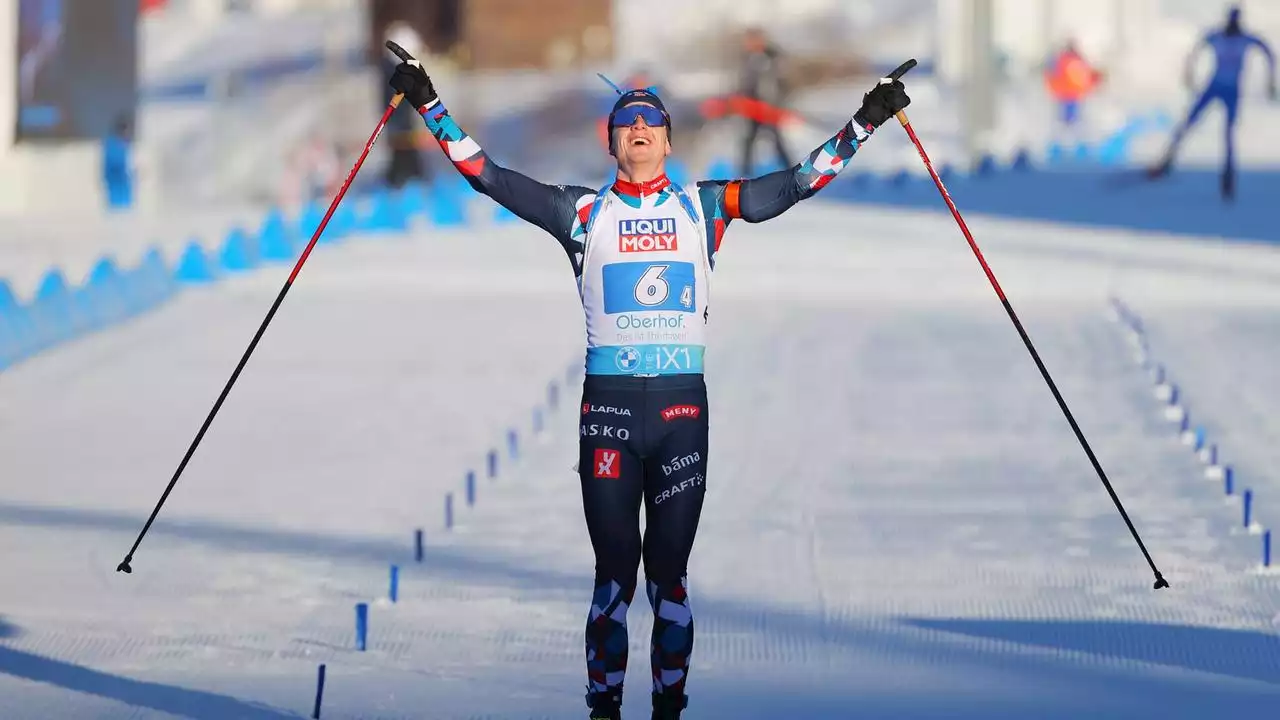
(1230, 45)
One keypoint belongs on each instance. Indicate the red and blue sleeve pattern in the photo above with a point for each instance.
(768, 196)
(554, 208)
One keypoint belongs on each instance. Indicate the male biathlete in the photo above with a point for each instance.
(642, 249)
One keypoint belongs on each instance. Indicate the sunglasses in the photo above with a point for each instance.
(625, 117)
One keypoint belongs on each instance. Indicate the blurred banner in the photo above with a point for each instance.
(77, 67)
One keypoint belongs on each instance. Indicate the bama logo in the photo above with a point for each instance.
(680, 463)
(681, 411)
(647, 235)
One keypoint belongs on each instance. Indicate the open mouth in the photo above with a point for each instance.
(640, 141)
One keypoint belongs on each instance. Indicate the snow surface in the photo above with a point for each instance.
(899, 521)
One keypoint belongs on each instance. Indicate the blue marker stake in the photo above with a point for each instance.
(1266, 549)
(315, 714)
(493, 464)
(1186, 421)
(1159, 374)
(448, 511)
(362, 625)
(417, 546)
(1248, 506)
(471, 488)
(1173, 394)
(553, 395)
(513, 443)
(537, 421)
(1199, 439)
(1228, 479)
(1213, 454)
(393, 592)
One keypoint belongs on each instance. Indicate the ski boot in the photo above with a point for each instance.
(668, 706)
(605, 705)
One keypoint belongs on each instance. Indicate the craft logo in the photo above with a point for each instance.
(681, 411)
(606, 462)
(647, 235)
(696, 481)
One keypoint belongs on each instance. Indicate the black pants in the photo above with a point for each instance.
(642, 440)
(749, 147)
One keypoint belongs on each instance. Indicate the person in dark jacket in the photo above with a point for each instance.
(762, 80)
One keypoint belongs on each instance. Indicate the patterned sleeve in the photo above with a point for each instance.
(558, 209)
(768, 196)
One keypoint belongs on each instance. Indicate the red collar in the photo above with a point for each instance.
(651, 187)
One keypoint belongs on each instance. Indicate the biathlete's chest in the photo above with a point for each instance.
(646, 260)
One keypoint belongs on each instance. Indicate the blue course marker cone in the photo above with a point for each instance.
(51, 308)
(194, 266)
(238, 253)
(446, 208)
(315, 713)
(276, 239)
(362, 626)
(385, 213)
(1022, 161)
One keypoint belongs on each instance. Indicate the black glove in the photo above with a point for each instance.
(409, 78)
(883, 102)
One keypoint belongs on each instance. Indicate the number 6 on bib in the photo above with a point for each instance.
(652, 289)
(641, 286)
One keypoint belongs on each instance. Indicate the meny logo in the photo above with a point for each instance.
(647, 235)
(681, 411)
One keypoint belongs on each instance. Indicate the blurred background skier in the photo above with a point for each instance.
(763, 80)
(1230, 45)
(1070, 79)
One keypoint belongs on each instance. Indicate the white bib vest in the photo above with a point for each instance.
(644, 285)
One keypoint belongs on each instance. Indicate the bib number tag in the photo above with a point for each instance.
(641, 286)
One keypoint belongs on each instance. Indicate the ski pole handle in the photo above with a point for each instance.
(902, 70)
(400, 52)
(897, 74)
(404, 56)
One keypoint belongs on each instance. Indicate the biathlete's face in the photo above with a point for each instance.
(640, 134)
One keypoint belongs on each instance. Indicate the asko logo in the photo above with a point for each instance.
(647, 235)
(681, 411)
(606, 464)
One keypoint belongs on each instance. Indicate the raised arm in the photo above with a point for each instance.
(1271, 62)
(553, 208)
(768, 196)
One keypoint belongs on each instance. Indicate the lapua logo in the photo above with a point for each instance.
(588, 408)
(647, 235)
(681, 411)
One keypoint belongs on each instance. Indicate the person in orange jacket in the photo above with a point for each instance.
(1070, 79)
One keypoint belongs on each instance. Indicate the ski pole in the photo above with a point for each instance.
(124, 565)
(906, 125)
